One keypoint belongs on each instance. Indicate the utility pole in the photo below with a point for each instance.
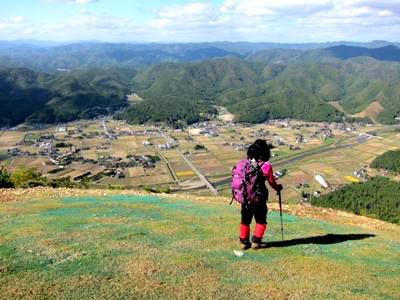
(312, 188)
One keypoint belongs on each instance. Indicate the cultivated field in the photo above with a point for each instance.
(223, 145)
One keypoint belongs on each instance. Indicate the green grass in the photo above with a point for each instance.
(328, 141)
(152, 247)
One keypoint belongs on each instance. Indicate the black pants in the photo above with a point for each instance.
(258, 209)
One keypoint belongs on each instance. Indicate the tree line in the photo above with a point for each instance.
(377, 198)
(389, 160)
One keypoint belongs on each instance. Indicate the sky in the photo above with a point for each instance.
(285, 21)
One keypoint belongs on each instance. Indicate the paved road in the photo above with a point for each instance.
(359, 140)
(201, 176)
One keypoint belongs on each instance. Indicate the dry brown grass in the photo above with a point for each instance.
(371, 111)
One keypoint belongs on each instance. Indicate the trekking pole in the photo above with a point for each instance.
(280, 210)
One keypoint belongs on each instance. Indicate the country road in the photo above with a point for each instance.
(106, 132)
(359, 140)
(201, 176)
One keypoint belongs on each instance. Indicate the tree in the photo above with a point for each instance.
(376, 198)
(199, 147)
(23, 178)
(389, 160)
(5, 180)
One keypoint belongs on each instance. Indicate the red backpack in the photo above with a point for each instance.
(245, 182)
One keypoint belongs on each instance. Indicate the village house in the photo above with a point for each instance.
(240, 147)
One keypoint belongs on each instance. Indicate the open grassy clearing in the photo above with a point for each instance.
(338, 106)
(10, 138)
(134, 98)
(130, 145)
(134, 246)
(371, 111)
(41, 164)
(131, 182)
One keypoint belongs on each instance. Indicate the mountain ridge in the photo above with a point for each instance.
(49, 58)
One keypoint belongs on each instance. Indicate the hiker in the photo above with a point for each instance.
(254, 195)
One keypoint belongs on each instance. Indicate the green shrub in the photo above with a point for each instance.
(199, 147)
(23, 178)
(5, 178)
(115, 187)
(157, 189)
(64, 182)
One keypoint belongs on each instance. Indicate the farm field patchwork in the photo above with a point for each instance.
(207, 164)
(222, 151)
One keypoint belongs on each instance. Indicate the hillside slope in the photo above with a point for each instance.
(257, 90)
(185, 82)
(93, 244)
(51, 98)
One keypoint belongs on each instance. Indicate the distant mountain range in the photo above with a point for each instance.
(50, 57)
(388, 53)
(181, 83)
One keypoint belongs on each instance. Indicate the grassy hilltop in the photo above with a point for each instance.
(93, 244)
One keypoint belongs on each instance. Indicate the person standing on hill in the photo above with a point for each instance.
(253, 196)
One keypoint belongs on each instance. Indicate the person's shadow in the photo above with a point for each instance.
(321, 240)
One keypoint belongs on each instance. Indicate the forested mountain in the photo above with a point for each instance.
(50, 57)
(43, 98)
(388, 53)
(256, 91)
(377, 198)
(20, 95)
(329, 54)
(106, 55)
(93, 78)
(188, 91)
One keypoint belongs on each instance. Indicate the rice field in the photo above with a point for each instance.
(42, 165)
(217, 161)
(10, 138)
(208, 164)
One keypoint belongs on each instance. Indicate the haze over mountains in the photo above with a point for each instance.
(48, 56)
(181, 83)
